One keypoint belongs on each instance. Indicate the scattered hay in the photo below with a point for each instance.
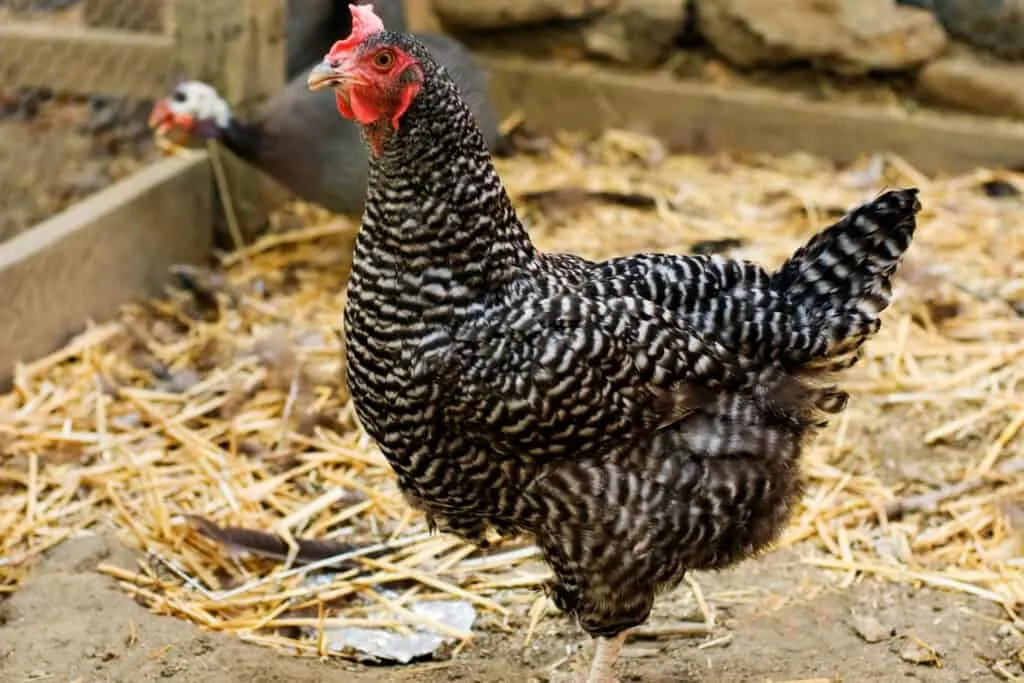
(223, 403)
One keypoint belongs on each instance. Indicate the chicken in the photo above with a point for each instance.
(299, 139)
(638, 417)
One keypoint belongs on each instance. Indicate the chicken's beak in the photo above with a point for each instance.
(324, 75)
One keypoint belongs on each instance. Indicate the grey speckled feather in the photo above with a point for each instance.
(640, 416)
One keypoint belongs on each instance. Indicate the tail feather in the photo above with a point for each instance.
(851, 263)
(842, 278)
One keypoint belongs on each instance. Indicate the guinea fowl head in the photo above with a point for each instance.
(376, 75)
(194, 109)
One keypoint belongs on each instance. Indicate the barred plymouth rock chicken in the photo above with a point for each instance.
(299, 139)
(639, 417)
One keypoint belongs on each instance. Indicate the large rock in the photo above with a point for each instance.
(996, 25)
(495, 14)
(977, 85)
(638, 32)
(544, 41)
(847, 36)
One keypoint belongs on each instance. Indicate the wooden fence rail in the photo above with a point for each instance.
(137, 49)
(117, 244)
(238, 46)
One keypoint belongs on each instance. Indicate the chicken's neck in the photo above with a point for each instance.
(242, 138)
(435, 200)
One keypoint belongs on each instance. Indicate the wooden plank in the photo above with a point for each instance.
(697, 116)
(237, 46)
(72, 58)
(108, 249)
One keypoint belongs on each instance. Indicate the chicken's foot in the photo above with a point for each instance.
(602, 669)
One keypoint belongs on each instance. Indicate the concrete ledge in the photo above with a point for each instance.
(691, 115)
(111, 248)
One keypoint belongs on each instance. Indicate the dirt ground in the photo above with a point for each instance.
(781, 620)
(784, 621)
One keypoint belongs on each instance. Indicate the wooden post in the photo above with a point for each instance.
(237, 46)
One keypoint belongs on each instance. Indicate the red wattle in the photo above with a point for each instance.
(343, 107)
(366, 109)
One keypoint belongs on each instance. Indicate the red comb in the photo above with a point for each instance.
(365, 22)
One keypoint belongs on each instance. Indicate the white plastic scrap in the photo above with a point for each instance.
(386, 646)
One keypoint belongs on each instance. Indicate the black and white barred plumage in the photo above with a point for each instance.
(639, 417)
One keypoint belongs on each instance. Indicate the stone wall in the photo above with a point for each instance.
(967, 54)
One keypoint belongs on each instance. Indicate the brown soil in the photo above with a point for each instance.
(786, 622)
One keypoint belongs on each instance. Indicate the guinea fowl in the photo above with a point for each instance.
(638, 417)
(299, 139)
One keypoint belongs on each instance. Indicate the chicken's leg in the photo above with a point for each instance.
(602, 669)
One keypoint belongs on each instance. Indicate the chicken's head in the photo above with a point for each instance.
(374, 74)
(194, 110)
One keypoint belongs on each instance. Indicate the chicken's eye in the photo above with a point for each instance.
(384, 60)
(179, 96)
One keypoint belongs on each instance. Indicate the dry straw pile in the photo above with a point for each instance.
(224, 401)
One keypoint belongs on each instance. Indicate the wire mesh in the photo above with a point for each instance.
(79, 79)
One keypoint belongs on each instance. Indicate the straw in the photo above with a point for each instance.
(225, 403)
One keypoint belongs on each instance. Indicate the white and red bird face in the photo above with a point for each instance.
(193, 110)
(374, 81)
